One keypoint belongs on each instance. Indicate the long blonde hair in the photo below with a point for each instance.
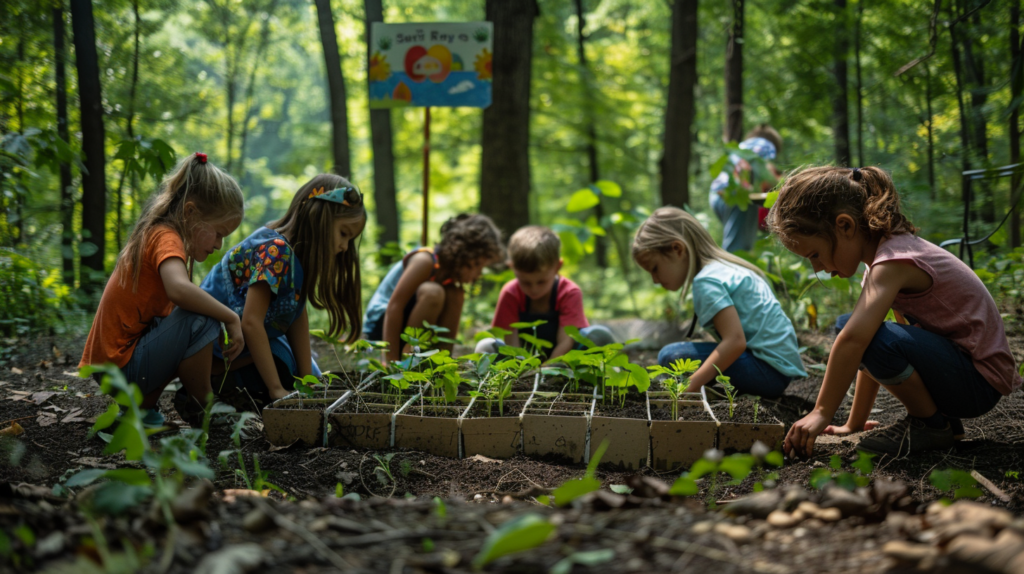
(330, 281)
(215, 194)
(670, 224)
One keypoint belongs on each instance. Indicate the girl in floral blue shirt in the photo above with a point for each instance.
(307, 255)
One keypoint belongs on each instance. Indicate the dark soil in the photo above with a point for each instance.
(433, 411)
(687, 413)
(557, 408)
(507, 409)
(631, 410)
(743, 412)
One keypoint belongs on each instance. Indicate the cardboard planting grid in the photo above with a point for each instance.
(492, 436)
(285, 423)
(680, 443)
(741, 436)
(557, 429)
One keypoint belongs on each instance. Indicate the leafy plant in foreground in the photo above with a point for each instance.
(677, 380)
(959, 482)
(738, 466)
(258, 480)
(820, 477)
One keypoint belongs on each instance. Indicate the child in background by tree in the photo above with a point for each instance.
(310, 254)
(137, 326)
(426, 285)
(952, 361)
(758, 346)
(539, 293)
(739, 225)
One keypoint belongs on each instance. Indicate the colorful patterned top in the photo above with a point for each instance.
(263, 256)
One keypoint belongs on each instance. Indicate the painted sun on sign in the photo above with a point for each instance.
(425, 64)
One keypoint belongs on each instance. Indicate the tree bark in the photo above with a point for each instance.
(601, 248)
(974, 68)
(931, 133)
(94, 186)
(383, 152)
(1014, 131)
(67, 198)
(840, 103)
(336, 89)
(734, 76)
(965, 138)
(680, 106)
(20, 197)
(860, 85)
(505, 160)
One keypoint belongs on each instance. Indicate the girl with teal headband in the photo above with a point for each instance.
(311, 255)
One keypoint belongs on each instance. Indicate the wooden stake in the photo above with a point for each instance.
(426, 174)
(995, 490)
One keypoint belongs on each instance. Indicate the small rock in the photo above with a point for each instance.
(800, 532)
(808, 508)
(702, 527)
(813, 523)
(849, 503)
(736, 532)
(319, 524)
(829, 514)
(758, 505)
(794, 495)
(908, 552)
(256, 521)
(967, 511)
(782, 519)
(51, 545)
(647, 487)
(478, 496)
(423, 463)
(237, 559)
(993, 555)
(506, 499)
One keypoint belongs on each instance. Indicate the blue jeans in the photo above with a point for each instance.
(949, 374)
(167, 342)
(739, 228)
(748, 374)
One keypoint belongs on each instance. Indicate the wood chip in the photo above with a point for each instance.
(42, 396)
(995, 490)
(74, 417)
(94, 462)
(16, 370)
(70, 374)
(55, 409)
(46, 419)
(482, 458)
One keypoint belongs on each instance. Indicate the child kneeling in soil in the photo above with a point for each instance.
(137, 326)
(952, 361)
(758, 346)
(538, 293)
(426, 285)
(310, 255)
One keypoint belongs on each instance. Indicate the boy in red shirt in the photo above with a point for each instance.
(539, 293)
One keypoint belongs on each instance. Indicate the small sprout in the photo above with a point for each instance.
(730, 391)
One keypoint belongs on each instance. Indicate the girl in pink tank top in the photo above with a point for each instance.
(947, 359)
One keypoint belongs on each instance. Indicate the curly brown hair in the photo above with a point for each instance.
(465, 239)
(812, 197)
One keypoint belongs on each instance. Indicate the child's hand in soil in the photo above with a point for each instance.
(801, 436)
(847, 428)
(278, 393)
(236, 342)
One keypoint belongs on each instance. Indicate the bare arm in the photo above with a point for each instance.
(257, 301)
(416, 272)
(190, 297)
(734, 342)
(563, 344)
(863, 399)
(298, 338)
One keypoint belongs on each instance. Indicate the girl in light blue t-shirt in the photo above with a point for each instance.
(757, 345)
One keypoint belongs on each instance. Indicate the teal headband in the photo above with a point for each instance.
(348, 196)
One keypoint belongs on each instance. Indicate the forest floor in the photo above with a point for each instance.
(40, 389)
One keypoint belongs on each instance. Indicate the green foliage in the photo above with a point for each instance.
(677, 380)
(730, 391)
(573, 489)
(738, 466)
(959, 482)
(820, 477)
(521, 533)
(742, 182)
(32, 297)
(585, 558)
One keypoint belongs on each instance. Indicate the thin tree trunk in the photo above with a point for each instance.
(601, 247)
(20, 197)
(1014, 131)
(250, 89)
(860, 85)
(131, 120)
(383, 153)
(94, 186)
(680, 106)
(734, 76)
(965, 138)
(931, 133)
(336, 91)
(974, 66)
(840, 104)
(67, 199)
(505, 159)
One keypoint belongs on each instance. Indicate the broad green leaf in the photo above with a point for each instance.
(530, 325)
(522, 533)
(820, 477)
(701, 468)
(573, 489)
(582, 199)
(589, 558)
(608, 188)
(536, 341)
(105, 420)
(863, 462)
(639, 377)
(684, 486)
(774, 458)
(129, 437)
(133, 476)
(116, 497)
(620, 489)
(769, 201)
(738, 465)
(91, 475)
(836, 463)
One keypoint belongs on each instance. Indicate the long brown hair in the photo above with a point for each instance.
(465, 239)
(330, 282)
(812, 197)
(215, 194)
(670, 224)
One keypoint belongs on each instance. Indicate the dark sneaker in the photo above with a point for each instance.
(958, 428)
(188, 408)
(909, 436)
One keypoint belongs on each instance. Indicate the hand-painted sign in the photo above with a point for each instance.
(430, 64)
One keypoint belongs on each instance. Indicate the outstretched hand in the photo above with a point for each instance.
(801, 436)
(847, 429)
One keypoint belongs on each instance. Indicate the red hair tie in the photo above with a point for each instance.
(201, 157)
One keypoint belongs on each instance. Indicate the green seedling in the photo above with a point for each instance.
(227, 364)
(757, 406)
(730, 391)
(532, 343)
(677, 380)
(738, 466)
(833, 474)
(383, 469)
(573, 489)
(522, 533)
(959, 482)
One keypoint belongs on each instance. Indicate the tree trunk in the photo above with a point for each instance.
(94, 186)
(931, 133)
(20, 197)
(505, 159)
(383, 153)
(860, 85)
(974, 67)
(601, 247)
(336, 89)
(680, 107)
(250, 91)
(67, 198)
(965, 138)
(734, 76)
(1014, 131)
(131, 119)
(840, 104)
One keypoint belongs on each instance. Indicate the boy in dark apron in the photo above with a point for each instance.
(539, 294)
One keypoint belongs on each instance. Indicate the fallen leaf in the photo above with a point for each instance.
(55, 408)
(73, 417)
(94, 462)
(44, 364)
(42, 396)
(482, 458)
(13, 430)
(26, 393)
(16, 370)
(46, 419)
(70, 373)
(282, 447)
